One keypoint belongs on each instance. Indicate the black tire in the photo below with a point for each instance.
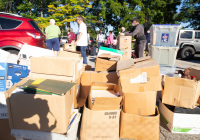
(187, 52)
(12, 50)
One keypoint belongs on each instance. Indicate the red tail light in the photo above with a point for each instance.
(34, 35)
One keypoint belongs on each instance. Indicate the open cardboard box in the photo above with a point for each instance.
(124, 42)
(39, 112)
(106, 102)
(180, 120)
(181, 92)
(140, 103)
(70, 68)
(88, 77)
(140, 127)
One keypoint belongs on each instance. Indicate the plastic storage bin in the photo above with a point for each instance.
(164, 54)
(39, 135)
(167, 70)
(164, 35)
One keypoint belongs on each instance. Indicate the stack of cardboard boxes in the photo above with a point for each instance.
(102, 114)
(125, 45)
(140, 118)
(179, 105)
(41, 112)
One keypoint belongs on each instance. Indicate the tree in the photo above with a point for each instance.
(190, 12)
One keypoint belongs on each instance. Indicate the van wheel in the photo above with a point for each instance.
(187, 52)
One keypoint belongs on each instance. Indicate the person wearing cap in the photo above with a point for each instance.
(52, 32)
(71, 36)
(100, 39)
(138, 32)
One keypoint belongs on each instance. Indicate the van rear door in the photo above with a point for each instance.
(197, 40)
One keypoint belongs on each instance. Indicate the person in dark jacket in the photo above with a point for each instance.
(138, 32)
(148, 40)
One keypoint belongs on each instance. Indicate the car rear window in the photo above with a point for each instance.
(34, 25)
(6, 23)
(186, 35)
(197, 35)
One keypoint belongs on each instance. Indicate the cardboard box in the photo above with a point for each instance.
(11, 74)
(140, 127)
(69, 54)
(105, 102)
(140, 103)
(180, 120)
(141, 77)
(38, 112)
(5, 132)
(3, 107)
(61, 66)
(127, 54)
(99, 124)
(125, 42)
(78, 102)
(181, 92)
(112, 52)
(105, 64)
(69, 46)
(198, 101)
(88, 77)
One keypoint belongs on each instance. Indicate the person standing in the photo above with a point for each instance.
(110, 39)
(138, 33)
(100, 39)
(52, 32)
(82, 39)
(71, 36)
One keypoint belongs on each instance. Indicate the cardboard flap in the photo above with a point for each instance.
(102, 86)
(125, 64)
(65, 66)
(108, 101)
(105, 107)
(140, 103)
(142, 59)
(139, 127)
(180, 92)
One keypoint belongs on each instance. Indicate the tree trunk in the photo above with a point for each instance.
(41, 9)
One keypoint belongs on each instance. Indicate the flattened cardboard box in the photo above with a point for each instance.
(88, 77)
(38, 112)
(105, 103)
(140, 103)
(69, 46)
(140, 127)
(99, 124)
(5, 132)
(181, 92)
(61, 66)
(180, 120)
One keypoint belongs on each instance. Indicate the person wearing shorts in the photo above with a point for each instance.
(52, 35)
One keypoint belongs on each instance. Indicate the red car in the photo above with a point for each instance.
(16, 30)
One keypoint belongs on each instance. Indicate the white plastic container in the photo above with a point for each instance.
(167, 70)
(39, 135)
(164, 54)
(164, 35)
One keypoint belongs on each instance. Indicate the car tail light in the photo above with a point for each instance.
(34, 35)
